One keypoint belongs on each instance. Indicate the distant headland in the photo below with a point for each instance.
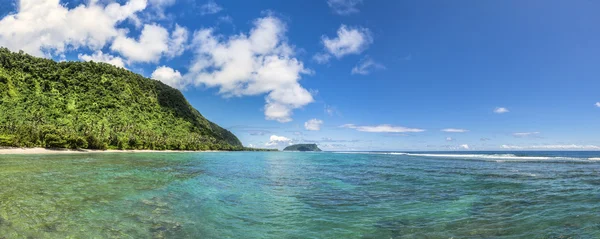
(302, 147)
(97, 106)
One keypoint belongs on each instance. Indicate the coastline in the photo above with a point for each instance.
(21, 151)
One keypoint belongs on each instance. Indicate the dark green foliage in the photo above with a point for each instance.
(302, 147)
(54, 141)
(97, 106)
(77, 142)
(259, 149)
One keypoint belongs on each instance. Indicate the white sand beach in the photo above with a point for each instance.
(7, 150)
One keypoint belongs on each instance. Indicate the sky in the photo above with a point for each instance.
(348, 74)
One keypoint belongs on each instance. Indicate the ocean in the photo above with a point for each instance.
(301, 195)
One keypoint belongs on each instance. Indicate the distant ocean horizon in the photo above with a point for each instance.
(486, 154)
(394, 194)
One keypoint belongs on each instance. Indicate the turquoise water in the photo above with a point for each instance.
(301, 195)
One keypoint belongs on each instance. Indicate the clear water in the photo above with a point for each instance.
(301, 195)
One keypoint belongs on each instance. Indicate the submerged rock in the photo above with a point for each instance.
(164, 229)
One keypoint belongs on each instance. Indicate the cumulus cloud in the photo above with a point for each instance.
(313, 125)
(275, 140)
(152, 43)
(178, 41)
(349, 40)
(169, 76)
(160, 5)
(46, 27)
(464, 146)
(261, 62)
(597, 104)
(211, 7)
(449, 139)
(344, 7)
(501, 110)
(525, 134)
(99, 56)
(365, 66)
(384, 128)
(554, 147)
(453, 130)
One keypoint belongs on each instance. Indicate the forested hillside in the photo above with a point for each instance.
(97, 106)
(302, 147)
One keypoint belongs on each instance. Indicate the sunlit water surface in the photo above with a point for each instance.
(300, 195)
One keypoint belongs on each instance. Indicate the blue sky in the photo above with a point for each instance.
(348, 74)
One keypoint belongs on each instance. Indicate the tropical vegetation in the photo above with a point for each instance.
(302, 147)
(89, 105)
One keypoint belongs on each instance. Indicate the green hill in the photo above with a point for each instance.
(97, 106)
(302, 147)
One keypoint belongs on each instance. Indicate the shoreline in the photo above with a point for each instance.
(24, 151)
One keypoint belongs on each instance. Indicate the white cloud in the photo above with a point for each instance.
(261, 62)
(313, 125)
(350, 126)
(453, 130)
(384, 128)
(169, 76)
(98, 56)
(365, 65)
(211, 7)
(597, 104)
(162, 3)
(525, 134)
(501, 110)
(464, 146)
(321, 58)
(449, 139)
(344, 7)
(349, 40)
(45, 27)
(275, 140)
(178, 41)
(553, 147)
(152, 43)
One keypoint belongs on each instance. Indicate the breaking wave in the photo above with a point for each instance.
(496, 157)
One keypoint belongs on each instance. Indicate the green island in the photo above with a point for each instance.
(88, 105)
(302, 148)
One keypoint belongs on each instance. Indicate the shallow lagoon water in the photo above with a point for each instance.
(300, 195)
